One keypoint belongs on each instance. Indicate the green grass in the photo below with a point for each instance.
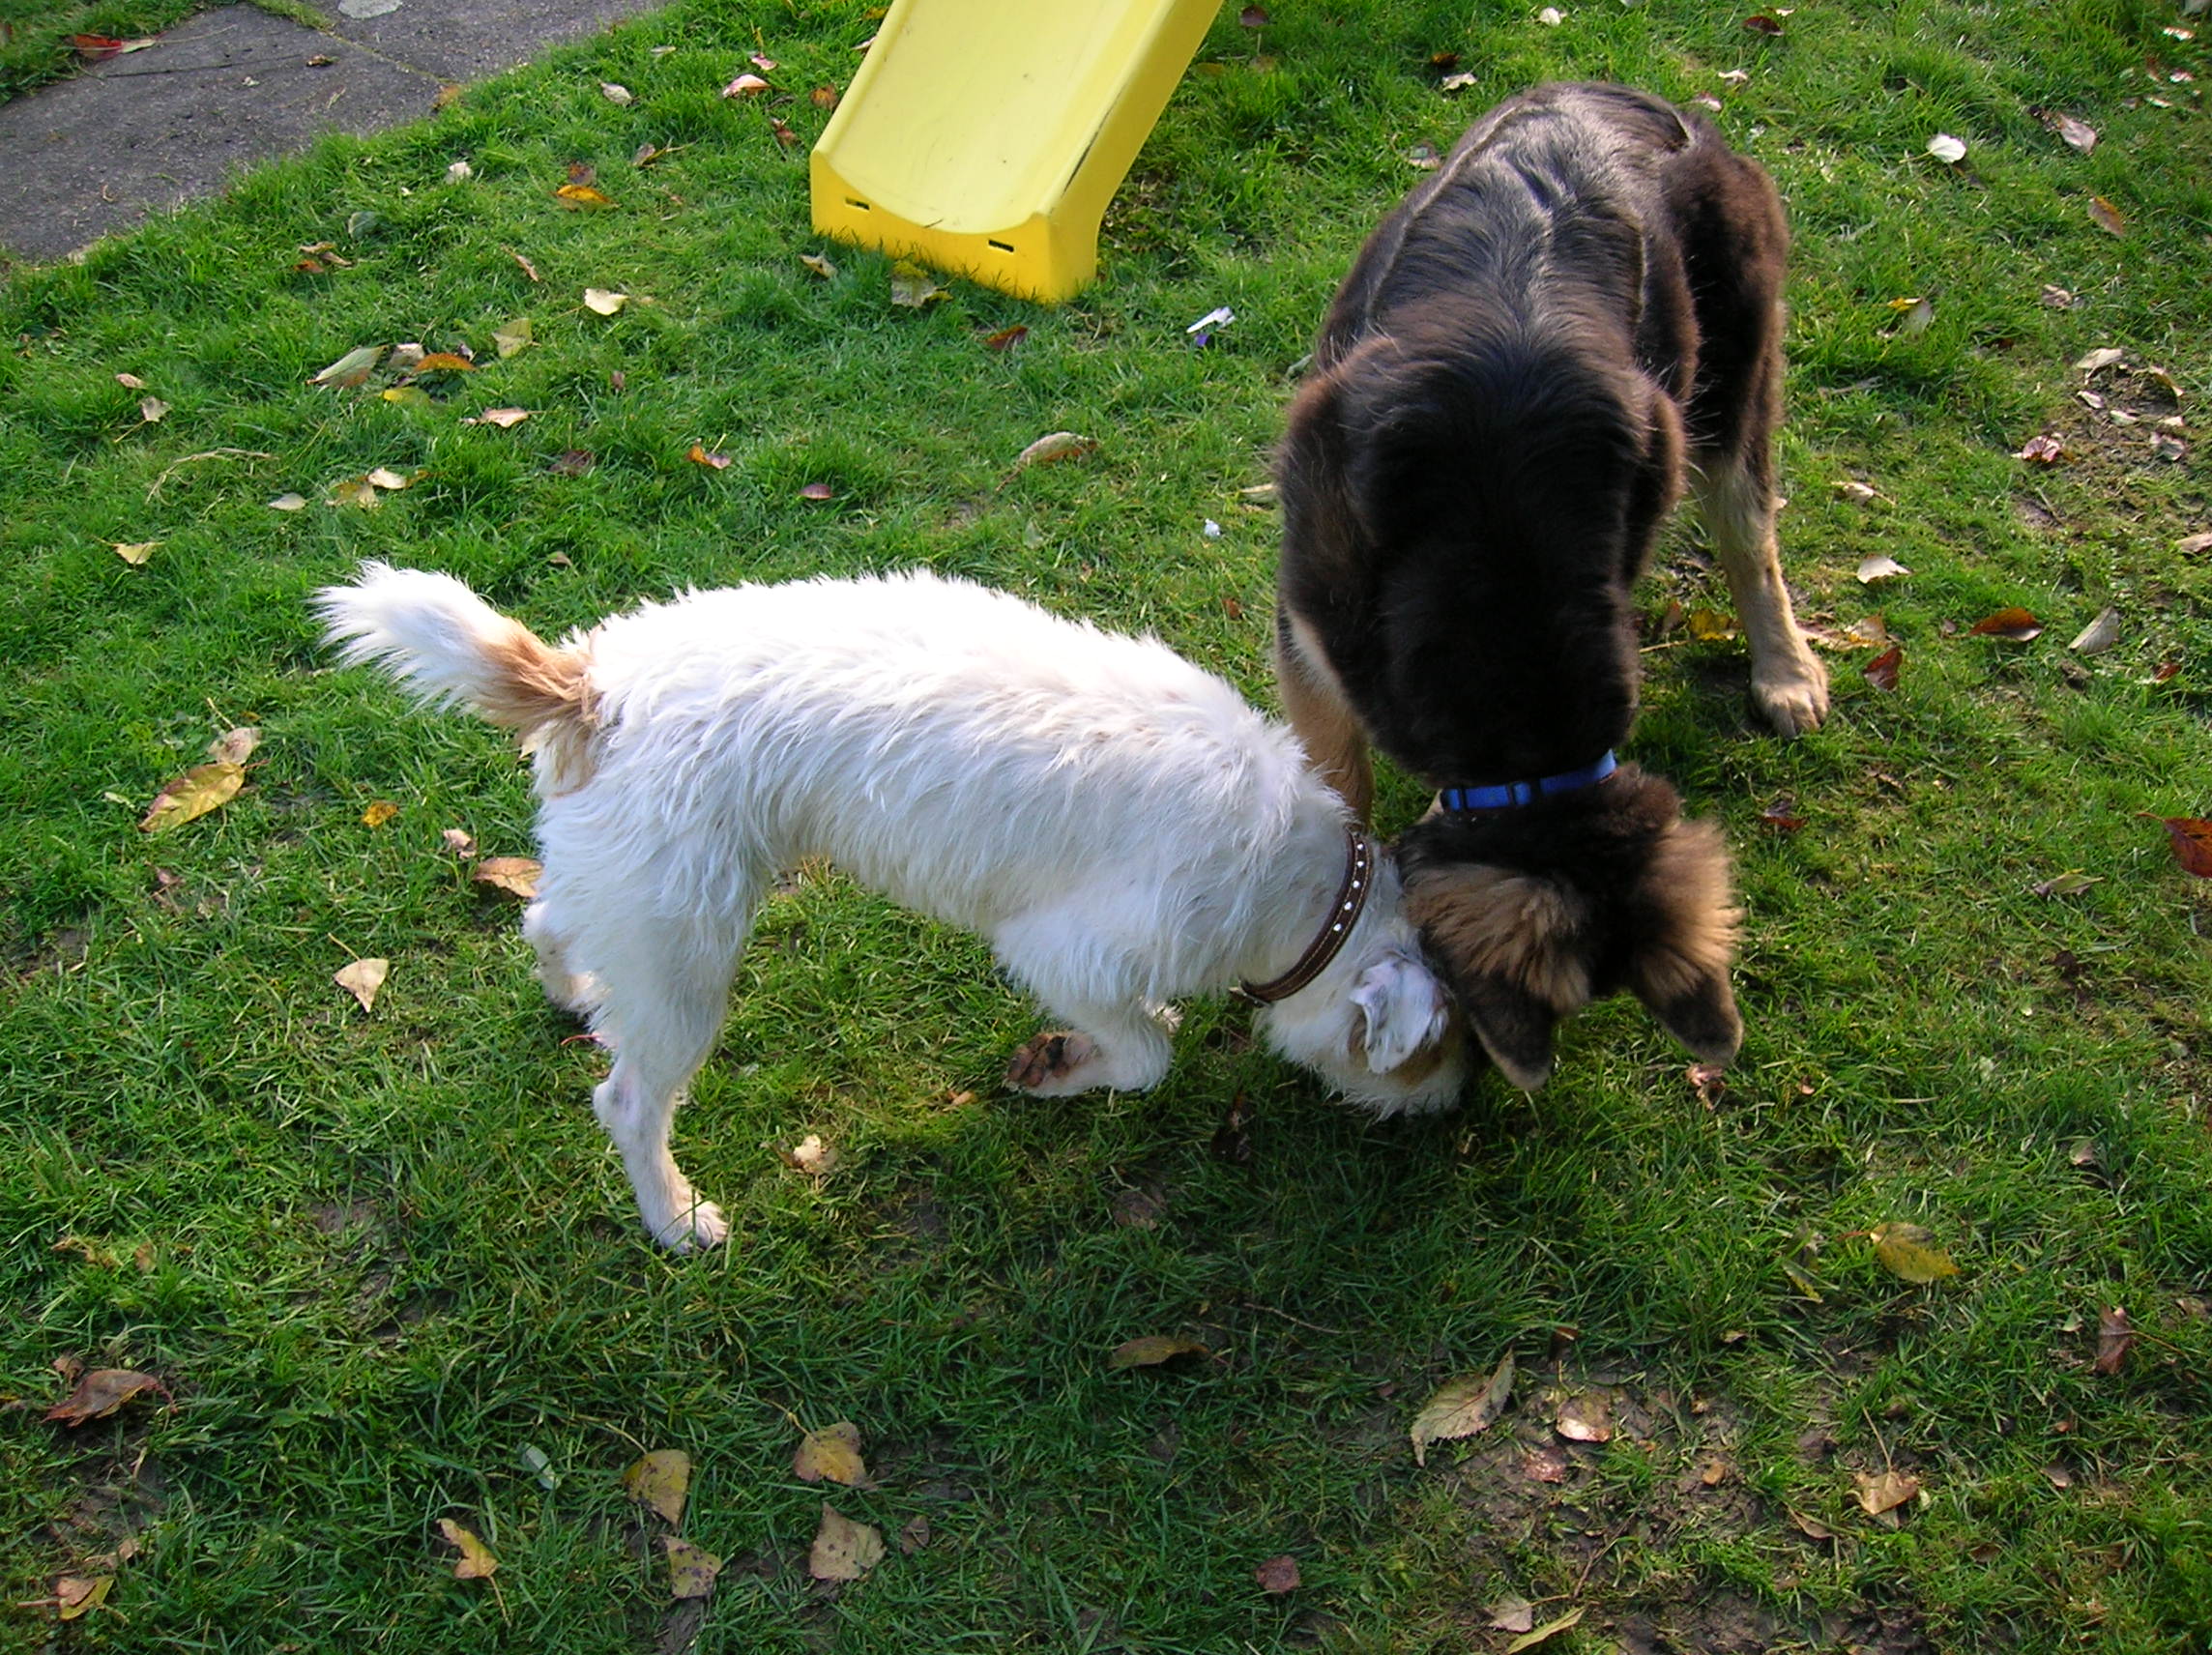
(376, 1258)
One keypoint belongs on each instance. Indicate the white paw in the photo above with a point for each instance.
(1793, 699)
(695, 1228)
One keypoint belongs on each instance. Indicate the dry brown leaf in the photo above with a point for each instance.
(445, 362)
(2192, 839)
(460, 841)
(2108, 217)
(700, 456)
(621, 97)
(1006, 338)
(832, 1454)
(2115, 1334)
(817, 491)
(518, 876)
(1278, 1575)
(843, 1550)
(1882, 672)
(691, 1570)
(379, 813)
(2015, 626)
(2194, 544)
(153, 409)
(199, 790)
(1154, 1348)
(2044, 449)
(528, 269)
(362, 978)
(1904, 1251)
(100, 1392)
(1884, 1491)
(1462, 1408)
(477, 1563)
(1056, 446)
(130, 382)
(289, 503)
(659, 1481)
(77, 1594)
(1512, 1615)
(823, 98)
(2079, 133)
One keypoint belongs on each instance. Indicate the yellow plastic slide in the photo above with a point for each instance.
(986, 136)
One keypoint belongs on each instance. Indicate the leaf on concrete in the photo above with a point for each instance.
(660, 1482)
(1549, 1630)
(1904, 1251)
(843, 1550)
(518, 876)
(1884, 1491)
(199, 790)
(1057, 445)
(100, 1392)
(362, 979)
(1278, 1575)
(2192, 839)
(691, 1570)
(2015, 626)
(476, 1564)
(2115, 1334)
(1153, 1350)
(1462, 1408)
(832, 1454)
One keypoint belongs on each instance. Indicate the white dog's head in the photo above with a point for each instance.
(1377, 1025)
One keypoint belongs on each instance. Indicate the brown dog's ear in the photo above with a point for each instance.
(1680, 967)
(1510, 945)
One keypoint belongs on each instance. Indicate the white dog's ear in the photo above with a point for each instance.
(1400, 1009)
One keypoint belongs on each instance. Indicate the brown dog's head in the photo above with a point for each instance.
(1532, 913)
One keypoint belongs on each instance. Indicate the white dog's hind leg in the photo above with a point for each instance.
(665, 991)
(1108, 1048)
(566, 988)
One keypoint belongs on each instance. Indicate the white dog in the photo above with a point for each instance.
(1122, 827)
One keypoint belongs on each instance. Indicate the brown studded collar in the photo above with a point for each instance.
(1343, 914)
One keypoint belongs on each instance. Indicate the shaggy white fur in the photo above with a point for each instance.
(1121, 825)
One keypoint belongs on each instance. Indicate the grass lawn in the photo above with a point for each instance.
(387, 1269)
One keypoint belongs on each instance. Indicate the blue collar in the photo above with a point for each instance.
(1507, 794)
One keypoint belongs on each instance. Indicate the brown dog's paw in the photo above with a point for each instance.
(1049, 1057)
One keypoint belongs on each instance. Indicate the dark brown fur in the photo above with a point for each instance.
(1528, 355)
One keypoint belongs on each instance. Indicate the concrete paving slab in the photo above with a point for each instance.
(467, 40)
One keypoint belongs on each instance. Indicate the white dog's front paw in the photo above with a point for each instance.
(1052, 1065)
(1794, 696)
(692, 1227)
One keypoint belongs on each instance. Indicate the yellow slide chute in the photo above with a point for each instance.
(986, 136)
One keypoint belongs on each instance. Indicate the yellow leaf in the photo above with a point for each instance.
(577, 196)
(199, 790)
(445, 362)
(362, 978)
(384, 477)
(843, 1550)
(476, 1561)
(1059, 446)
(601, 302)
(914, 287)
(692, 1571)
(355, 491)
(1153, 1350)
(351, 369)
(660, 1482)
(518, 876)
(1905, 1253)
(76, 1595)
(819, 265)
(1463, 1407)
(1550, 1629)
(379, 813)
(408, 395)
(832, 1454)
(1711, 626)
(700, 456)
(514, 336)
(134, 552)
(505, 419)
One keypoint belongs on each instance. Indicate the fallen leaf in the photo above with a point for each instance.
(832, 1454)
(351, 369)
(573, 462)
(1550, 1629)
(579, 197)
(100, 1392)
(1780, 819)
(1947, 149)
(2071, 882)
(355, 491)
(1512, 1615)
(1254, 17)
(76, 1595)
(98, 48)
(1881, 567)
(1811, 1528)
(660, 1482)
(199, 790)
(1459, 82)
(603, 303)
(1915, 315)
(1586, 1418)
(1153, 1350)
(379, 813)
(1551, 17)
(823, 98)
(2100, 635)
(2042, 449)
(1462, 1408)
(762, 61)
(518, 876)
(289, 503)
(843, 1550)
(817, 491)
(915, 1536)
(130, 382)
(1855, 492)
(1278, 1575)
(2103, 357)
(2192, 839)
(620, 95)
(362, 978)
(784, 135)
(2113, 1337)
(2014, 624)
(810, 1156)
(1423, 158)
(2079, 133)
(1708, 1080)
(2057, 298)
(1006, 338)
(153, 409)
(460, 841)
(136, 553)
(505, 419)
(2108, 217)
(460, 172)
(409, 396)
(912, 287)
(476, 1561)
(1711, 626)
(528, 269)
(405, 358)
(1759, 24)
(1871, 632)
(700, 456)
(385, 477)
(1059, 446)
(819, 265)
(691, 1570)
(1885, 1491)
(445, 362)
(745, 86)
(235, 746)
(1904, 1251)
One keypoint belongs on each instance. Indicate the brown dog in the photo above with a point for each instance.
(1582, 304)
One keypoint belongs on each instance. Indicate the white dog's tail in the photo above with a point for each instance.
(448, 646)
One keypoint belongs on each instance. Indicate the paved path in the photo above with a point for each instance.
(151, 130)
